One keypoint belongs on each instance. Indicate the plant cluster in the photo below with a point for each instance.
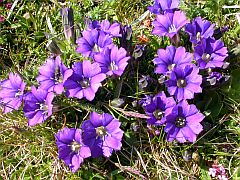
(184, 70)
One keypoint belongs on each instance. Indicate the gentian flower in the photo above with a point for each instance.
(102, 134)
(183, 123)
(92, 42)
(161, 6)
(38, 106)
(210, 53)
(85, 80)
(71, 148)
(107, 27)
(68, 23)
(199, 29)
(53, 74)
(169, 24)
(12, 92)
(184, 82)
(112, 61)
(159, 108)
(170, 58)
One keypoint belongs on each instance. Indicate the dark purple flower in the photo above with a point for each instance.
(184, 82)
(199, 29)
(169, 24)
(125, 40)
(107, 27)
(71, 148)
(2, 19)
(38, 106)
(92, 42)
(210, 53)
(112, 61)
(85, 80)
(53, 75)
(102, 134)
(8, 5)
(160, 6)
(170, 58)
(183, 124)
(12, 92)
(159, 108)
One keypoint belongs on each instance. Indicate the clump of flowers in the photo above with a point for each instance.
(108, 48)
(218, 171)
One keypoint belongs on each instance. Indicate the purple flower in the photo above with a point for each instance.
(92, 42)
(8, 5)
(111, 29)
(170, 58)
(210, 53)
(184, 82)
(160, 6)
(2, 18)
(125, 40)
(71, 148)
(102, 134)
(159, 108)
(199, 29)
(38, 106)
(12, 92)
(53, 74)
(112, 61)
(68, 23)
(169, 24)
(85, 80)
(213, 78)
(183, 123)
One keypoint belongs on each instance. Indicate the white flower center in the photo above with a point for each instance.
(75, 146)
(172, 28)
(206, 57)
(101, 131)
(113, 66)
(180, 122)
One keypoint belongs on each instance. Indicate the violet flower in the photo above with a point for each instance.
(112, 29)
(184, 82)
(161, 6)
(12, 92)
(183, 124)
(199, 29)
(71, 148)
(53, 74)
(159, 108)
(85, 80)
(92, 42)
(38, 106)
(170, 58)
(112, 61)
(210, 53)
(169, 24)
(102, 134)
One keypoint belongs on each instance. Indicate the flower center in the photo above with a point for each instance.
(75, 146)
(198, 36)
(95, 48)
(43, 107)
(181, 83)
(171, 66)
(180, 122)
(19, 93)
(113, 66)
(172, 28)
(85, 82)
(57, 75)
(101, 131)
(158, 114)
(206, 57)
